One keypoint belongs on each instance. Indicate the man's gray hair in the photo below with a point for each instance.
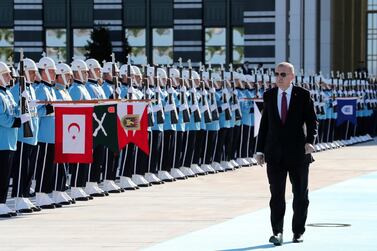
(286, 64)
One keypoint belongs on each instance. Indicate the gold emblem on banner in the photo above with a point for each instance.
(131, 122)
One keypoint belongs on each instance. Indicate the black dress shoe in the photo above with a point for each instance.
(98, 195)
(5, 215)
(58, 205)
(105, 193)
(12, 213)
(277, 239)
(82, 199)
(51, 206)
(90, 197)
(297, 238)
(36, 209)
(114, 191)
(25, 210)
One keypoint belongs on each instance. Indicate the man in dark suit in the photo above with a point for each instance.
(285, 142)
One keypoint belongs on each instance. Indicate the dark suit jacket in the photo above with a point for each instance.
(286, 142)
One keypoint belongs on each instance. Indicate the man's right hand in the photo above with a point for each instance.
(259, 157)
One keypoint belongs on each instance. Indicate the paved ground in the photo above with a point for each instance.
(139, 219)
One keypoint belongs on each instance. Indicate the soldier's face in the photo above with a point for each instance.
(7, 77)
(52, 73)
(137, 79)
(32, 76)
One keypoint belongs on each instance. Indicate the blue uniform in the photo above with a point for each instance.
(214, 125)
(192, 125)
(8, 135)
(34, 123)
(77, 91)
(223, 122)
(167, 123)
(108, 88)
(95, 90)
(45, 92)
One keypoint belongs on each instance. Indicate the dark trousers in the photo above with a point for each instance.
(236, 149)
(189, 143)
(222, 135)
(200, 147)
(110, 164)
(45, 173)
(167, 150)
(143, 159)
(79, 174)
(210, 146)
(180, 148)
(277, 176)
(155, 151)
(228, 144)
(6, 158)
(61, 177)
(127, 160)
(247, 141)
(23, 169)
(96, 167)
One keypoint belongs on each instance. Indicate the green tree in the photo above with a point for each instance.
(100, 47)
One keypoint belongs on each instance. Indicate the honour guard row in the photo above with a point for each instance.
(200, 122)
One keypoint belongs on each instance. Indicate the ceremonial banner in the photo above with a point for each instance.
(133, 124)
(258, 108)
(346, 110)
(105, 126)
(73, 134)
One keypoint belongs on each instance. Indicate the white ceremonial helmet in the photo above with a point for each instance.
(29, 65)
(108, 68)
(47, 63)
(161, 73)
(174, 73)
(195, 75)
(3, 69)
(124, 70)
(63, 69)
(93, 64)
(79, 66)
(150, 71)
(136, 70)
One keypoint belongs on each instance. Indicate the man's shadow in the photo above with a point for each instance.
(264, 246)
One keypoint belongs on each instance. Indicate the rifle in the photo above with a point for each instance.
(171, 105)
(205, 107)
(225, 107)
(182, 95)
(147, 92)
(24, 109)
(158, 104)
(194, 105)
(115, 78)
(214, 110)
(235, 105)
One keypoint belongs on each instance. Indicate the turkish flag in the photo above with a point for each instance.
(73, 134)
(132, 125)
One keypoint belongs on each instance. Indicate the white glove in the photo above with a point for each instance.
(33, 104)
(309, 148)
(25, 118)
(25, 94)
(259, 157)
(117, 90)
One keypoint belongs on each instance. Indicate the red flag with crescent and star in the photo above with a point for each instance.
(73, 134)
(133, 125)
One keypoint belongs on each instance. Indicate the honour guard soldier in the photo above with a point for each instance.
(45, 172)
(9, 125)
(64, 76)
(23, 167)
(79, 171)
(102, 159)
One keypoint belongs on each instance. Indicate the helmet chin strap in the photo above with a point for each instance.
(48, 76)
(64, 79)
(94, 74)
(27, 76)
(81, 77)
